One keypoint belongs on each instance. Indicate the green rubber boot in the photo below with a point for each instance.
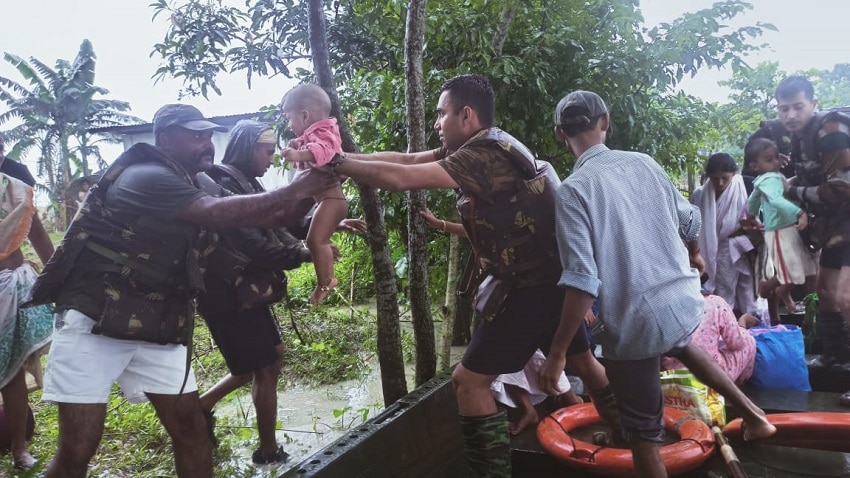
(487, 445)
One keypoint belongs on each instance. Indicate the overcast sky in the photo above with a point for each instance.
(811, 34)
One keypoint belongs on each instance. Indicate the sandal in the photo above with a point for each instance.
(279, 456)
(25, 463)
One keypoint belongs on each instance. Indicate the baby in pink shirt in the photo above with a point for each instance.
(307, 109)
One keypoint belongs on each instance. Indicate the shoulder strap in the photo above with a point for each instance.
(520, 155)
(237, 175)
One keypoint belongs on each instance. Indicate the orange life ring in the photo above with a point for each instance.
(816, 430)
(696, 445)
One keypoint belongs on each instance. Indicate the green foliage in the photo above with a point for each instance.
(832, 87)
(328, 345)
(56, 108)
(353, 270)
(551, 48)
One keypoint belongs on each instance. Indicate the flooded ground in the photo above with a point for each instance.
(310, 417)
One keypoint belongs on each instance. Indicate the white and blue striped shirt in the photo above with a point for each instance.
(620, 226)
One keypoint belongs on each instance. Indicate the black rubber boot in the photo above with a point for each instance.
(831, 330)
(487, 445)
(842, 364)
(606, 406)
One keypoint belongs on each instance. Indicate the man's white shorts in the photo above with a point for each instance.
(82, 366)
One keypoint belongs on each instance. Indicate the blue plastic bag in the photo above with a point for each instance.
(780, 359)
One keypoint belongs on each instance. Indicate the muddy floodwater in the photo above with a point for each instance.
(309, 417)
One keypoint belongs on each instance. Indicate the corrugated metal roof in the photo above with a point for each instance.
(227, 121)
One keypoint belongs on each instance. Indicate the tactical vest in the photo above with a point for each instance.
(515, 237)
(829, 221)
(254, 284)
(148, 290)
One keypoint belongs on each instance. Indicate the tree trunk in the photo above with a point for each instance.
(450, 301)
(467, 286)
(502, 32)
(393, 382)
(64, 179)
(417, 245)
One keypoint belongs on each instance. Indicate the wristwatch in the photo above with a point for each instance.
(336, 161)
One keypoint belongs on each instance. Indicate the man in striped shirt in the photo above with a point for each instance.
(622, 229)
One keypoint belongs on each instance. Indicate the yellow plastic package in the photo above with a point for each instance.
(683, 391)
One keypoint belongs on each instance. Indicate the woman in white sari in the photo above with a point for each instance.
(24, 332)
(722, 201)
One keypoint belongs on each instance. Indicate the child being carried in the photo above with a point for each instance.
(307, 109)
(785, 261)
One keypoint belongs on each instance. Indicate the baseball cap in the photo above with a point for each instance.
(579, 107)
(185, 116)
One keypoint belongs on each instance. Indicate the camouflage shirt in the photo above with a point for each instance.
(508, 217)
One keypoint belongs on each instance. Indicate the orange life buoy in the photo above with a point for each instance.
(690, 452)
(818, 430)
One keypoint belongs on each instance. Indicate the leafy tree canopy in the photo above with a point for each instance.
(534, 52)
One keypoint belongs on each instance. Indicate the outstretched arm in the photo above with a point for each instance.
(396, 176)
(400, 158)
(278, 208)
(442, 225)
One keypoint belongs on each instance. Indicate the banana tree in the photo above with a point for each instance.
(53, 110)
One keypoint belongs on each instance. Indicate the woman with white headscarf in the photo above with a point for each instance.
(722, 201)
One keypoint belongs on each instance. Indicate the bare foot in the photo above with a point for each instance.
(24, 461)
(528, 418)
(321, 292)
(759, 430)
(567, 399)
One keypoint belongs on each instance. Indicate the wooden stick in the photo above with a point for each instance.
(728, 453)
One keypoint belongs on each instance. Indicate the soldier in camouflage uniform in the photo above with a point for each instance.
(124, 279)
(506, 202)
(820, 153)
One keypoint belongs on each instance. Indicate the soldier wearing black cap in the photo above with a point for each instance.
(124, 279)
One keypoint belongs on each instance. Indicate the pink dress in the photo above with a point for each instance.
(726, 342)
(323, 139)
